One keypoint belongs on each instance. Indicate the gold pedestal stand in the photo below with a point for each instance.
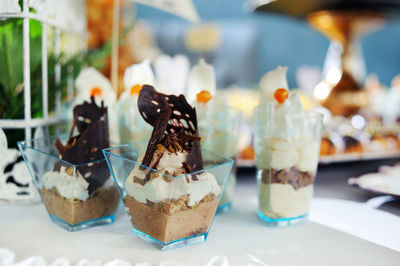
(340, 91)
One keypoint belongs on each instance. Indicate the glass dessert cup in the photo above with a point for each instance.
(219, 131)
(168, 218)
(286, 167)
(72, 200)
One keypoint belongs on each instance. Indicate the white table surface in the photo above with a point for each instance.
(236, 238)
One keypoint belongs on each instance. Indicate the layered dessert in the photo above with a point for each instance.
(287, 149)
(219, 127)
(80, 188)
(169, 195)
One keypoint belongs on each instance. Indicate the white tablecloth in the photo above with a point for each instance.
(236, 238)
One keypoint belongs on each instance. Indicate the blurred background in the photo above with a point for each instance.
(262, 41)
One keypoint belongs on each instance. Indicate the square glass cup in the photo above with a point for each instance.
(287, 151)
(219, 130)
(76, 196)
(167, 211)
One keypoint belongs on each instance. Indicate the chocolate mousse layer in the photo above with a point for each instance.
(101, 203)
(292, 176)
(171, 220)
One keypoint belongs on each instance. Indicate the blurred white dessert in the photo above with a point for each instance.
(287, 148)
(218, 122)
(132, 127)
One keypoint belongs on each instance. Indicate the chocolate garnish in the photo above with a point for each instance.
(92, 124)
(181, 125)
(157, 134)
(183, 117)
(88, 113)
(195, 160)
(154, 166)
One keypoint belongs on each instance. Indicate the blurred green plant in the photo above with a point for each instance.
(11, 71)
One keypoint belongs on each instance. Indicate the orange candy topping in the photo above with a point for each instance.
(281, 95)
(247, 153)
(135, 89)
(96, 91)
(203, 96)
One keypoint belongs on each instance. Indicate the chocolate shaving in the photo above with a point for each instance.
(92, 124)
(154, 166)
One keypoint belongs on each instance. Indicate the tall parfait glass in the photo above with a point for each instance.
(286, 164)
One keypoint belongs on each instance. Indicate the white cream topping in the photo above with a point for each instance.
(287, 118)
(283, 201)
(308, 150)
(137, 74)
(157, 189)
(90, 78)
(272, 81)
(172, 163)
(287, 143)
(201, 77)
(280, 154)
(68, 186)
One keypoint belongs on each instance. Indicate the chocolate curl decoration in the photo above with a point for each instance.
(183, 117)
(181, 124)
(157, 134)
(195, 161)
(92, 124)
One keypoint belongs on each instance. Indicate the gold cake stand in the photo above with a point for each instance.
(340, 90)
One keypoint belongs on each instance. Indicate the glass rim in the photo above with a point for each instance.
(23, 144)
(108, 151)
(308, 114)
